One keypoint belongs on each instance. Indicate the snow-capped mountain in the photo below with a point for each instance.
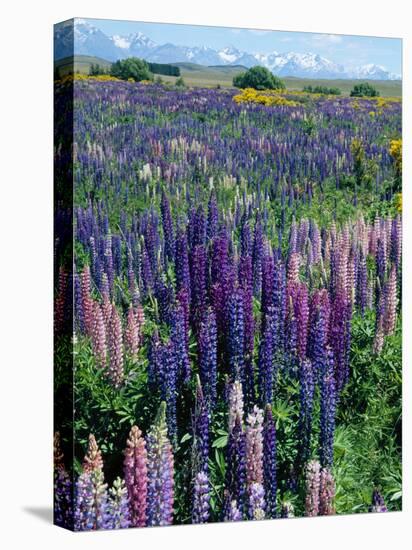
(374, 72)
(82, 38)
(85, 39)
(136, 44)
(301, 65)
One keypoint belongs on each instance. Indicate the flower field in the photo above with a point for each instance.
(234, 306)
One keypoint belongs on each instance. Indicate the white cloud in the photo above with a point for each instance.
(327, 38)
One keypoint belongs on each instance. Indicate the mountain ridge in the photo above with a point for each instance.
(86, 39)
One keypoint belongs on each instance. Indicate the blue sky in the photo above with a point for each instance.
(349, 50)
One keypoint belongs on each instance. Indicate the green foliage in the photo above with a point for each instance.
(259, 78)
(321, 90)
(133, 67)
(368, 436)
(180, 82)
(364, 90)
(96, 70)
(164, 69)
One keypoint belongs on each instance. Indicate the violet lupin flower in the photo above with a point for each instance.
(160, 469)
(319, 330)
(326, 493)
(201, 499)
(182, 263)
(236, 465)
(78, 304)
(118, 506)
(63, 505)
(362, 284)
(200, 448)
(135, 475)
(154, 361)
(91, 502)
(198, 283)
(340, 327)
(270, 463)
(254, 447)
(147, 281)
(256, 501)
(115, 371)
(232, 512)
(236, 339)
(302, 318)
(266, 369)
(212, 217)
(279, 303)
(327, 411)
(108, 261)
(245, 280)
(168, 231)
(257, 256)
(312, 488)
(378, 503)
(307, 388)
(396, 242)
(168, 386)
(60, 301)
(246, 240)
(207, 347)
(180, 339)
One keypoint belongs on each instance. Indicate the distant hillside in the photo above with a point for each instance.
(81, 64)
(222, 75)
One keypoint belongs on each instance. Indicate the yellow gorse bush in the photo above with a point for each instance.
(395, 151)
(268, 98)
(98, 78)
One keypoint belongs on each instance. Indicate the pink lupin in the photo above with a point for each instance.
(87, 300)
(132, 336)
(135, 476)
(99, 336)
(389, 321)
(140, 320)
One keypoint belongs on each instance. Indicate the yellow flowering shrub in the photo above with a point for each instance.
(395, 151)
(98, 78)
(268, 98)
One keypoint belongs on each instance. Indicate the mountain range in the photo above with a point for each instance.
(87, 39)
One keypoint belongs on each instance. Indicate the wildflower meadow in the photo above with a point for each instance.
(227, 304)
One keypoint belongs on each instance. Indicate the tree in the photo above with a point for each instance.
(364, 90)
(133, 67)
(258, 78)
(95, 70)
(180, 83)
(321, 90)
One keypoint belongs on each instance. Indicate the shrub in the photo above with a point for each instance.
(364, 90)
(180, 82)
(321, 90)
(258, 78)
(133, 67)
